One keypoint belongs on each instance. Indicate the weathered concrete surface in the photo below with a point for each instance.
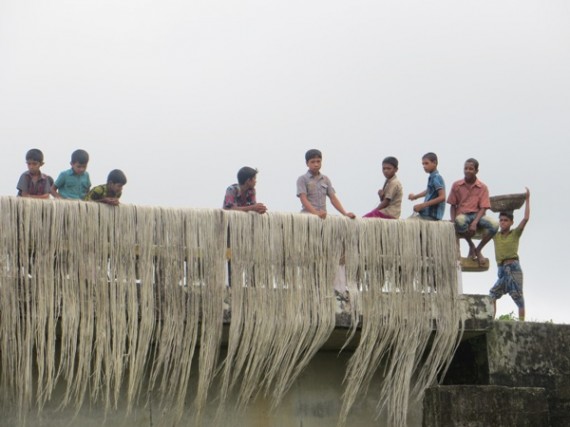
(485, 406)
(313, 401)
(478, 313)
(533, 355)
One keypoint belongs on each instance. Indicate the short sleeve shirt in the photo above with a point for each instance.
(317, 188)
(100, 192)
(72, 186)
(393, 190)
(507, 246)
(26, 184)
(234, 197)
(469, 198)
(435, 183)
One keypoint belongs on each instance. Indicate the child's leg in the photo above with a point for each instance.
(515, 286)
(498, 289)
(462, 222)
(489, 228)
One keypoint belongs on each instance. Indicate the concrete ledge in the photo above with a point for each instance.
(484, 406)
(477, 311)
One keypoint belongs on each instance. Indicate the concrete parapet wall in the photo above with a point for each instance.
(485, 406)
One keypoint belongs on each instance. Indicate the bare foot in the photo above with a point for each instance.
(479, 257)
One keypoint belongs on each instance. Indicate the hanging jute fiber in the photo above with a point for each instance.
(118, 305)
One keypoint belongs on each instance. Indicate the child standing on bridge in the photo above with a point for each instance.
(109, 193)
(34, 183)
(73, 183)
(313, 188)
(506, 253)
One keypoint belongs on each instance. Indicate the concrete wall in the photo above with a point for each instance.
(485, 406)
(533, 355)
(314, 401)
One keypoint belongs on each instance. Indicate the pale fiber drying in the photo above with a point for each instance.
(114, 303)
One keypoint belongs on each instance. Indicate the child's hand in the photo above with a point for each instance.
(527, 193)
(412, 196)
(110, 201)
(259, 208)
(350, 215)
(322, 214)
(418, 207)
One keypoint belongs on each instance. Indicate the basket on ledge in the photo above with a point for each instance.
(507, 202)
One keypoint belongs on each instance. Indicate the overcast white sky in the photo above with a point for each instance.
(181, 93)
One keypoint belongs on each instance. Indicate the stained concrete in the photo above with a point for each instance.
(526, 354)
(485, 406)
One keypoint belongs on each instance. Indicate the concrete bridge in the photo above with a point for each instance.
(125, 316)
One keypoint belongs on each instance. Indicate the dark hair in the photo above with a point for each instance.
(245, 173)
(475, 162)
(508, 214)
(391, 161)
(432, 157)
(80, 156)
(35, 155)
(116, 176)
(312, 154)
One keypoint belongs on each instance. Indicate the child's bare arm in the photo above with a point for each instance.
(413, 196)
(526, 217)
(256, 207)
(338, 206)
(384, 203)
(39, 196)
(309, 207)
(54, 192)
(440, 198)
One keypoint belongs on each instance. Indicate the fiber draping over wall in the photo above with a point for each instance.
(116, 303)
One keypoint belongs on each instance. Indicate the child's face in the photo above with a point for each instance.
(389, 170)
(79, 168)
(250, 183)
(114, 189)
(470, 171)
(34, 166)
(505, 223)
(428, 165)
(314, 165)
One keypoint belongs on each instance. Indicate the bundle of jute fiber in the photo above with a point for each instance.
(410, 282)
(118, 304)
(189, 288)
(107, 302)
(282, 303)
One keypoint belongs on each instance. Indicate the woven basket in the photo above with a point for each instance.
(507, 202)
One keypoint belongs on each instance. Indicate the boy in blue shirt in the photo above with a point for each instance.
(73, 183)
(433, 206)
